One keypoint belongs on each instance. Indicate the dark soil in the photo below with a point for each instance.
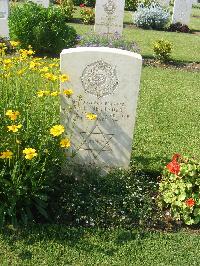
(194, 66)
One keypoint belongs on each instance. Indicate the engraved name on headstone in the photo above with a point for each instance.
(106, 83)
(109, 15)
(4, 12)
(181, 12)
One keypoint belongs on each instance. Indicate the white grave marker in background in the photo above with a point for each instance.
(106, 83)
(109, 15)
(44, 3)
(164, 2)
(4, 12)
(182, 11)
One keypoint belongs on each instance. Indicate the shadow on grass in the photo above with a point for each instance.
(77, 238)
(145, 164)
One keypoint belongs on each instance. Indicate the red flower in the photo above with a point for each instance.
(82, 5)
(174, 166)
(190, 202)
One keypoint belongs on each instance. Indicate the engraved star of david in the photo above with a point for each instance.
(103, 145)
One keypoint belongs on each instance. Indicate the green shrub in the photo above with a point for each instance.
(90, 3)
(30, 158)
(119, 199)
(87, 15)
(44, 29)
(152, 16)
(179, 190)
(162, 49)
(67, 8)
(131, 5)
(115, 41)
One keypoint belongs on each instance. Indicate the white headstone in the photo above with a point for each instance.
(4, 8)
(106, 83)
(181, 12)
(109, 15)
(44, 3)
(4, 12)
(4, 30)
(164, 2)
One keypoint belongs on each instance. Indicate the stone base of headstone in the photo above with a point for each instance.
(4, 30)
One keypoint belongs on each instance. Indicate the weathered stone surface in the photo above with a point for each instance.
(4, 8)
(4, 30)
(109, 15)
(44, 3)
(106, 83)
(4, 12)
(182, 11)
(164, 2)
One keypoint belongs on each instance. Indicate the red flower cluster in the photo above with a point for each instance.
(82, 5)
(190, 202)
(174, 166)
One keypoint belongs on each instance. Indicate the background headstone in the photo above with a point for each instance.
(182, 11)
(106, 83)
(44, 3)
(4, 12)
(164, 2)
(109, 15)
(4, 8)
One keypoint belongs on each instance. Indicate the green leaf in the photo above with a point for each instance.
(182, 196)
(188, 220)
(196, 211)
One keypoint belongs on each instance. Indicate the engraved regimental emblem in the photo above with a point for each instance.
(110, 7)
(99, 79)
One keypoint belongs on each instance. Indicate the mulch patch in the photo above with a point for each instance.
(194, 66)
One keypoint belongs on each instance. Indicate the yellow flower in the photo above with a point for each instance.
(30, 52)
(91, 116)
(50, 76)
(40, 93)
(64, 78)
(12, 115)
(32, 65)
(68, 92)
(14, 128)
(29, 153)
(6, 154)
(20, 72)
(55, 93)
(43, 93)
(7, 61)
(14, 43)
(65, 143)
(53, 65)
(44, 69)
(57, 130)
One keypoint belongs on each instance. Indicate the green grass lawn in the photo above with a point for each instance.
(58, 245)
(167, 117)
(186, 47)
